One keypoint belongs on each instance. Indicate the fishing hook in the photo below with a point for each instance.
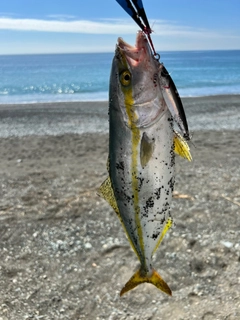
(138, 14)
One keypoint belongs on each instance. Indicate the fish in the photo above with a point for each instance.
(170, 93)
(141, 156)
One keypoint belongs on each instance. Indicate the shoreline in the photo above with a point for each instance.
(203, 113)
(214, 96)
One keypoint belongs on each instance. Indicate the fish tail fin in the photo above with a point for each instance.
(139, 278)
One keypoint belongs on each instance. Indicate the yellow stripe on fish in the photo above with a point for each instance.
(132, 119)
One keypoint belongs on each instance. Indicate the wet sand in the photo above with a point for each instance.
(63, 252)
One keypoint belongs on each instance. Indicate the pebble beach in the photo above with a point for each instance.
(63, 252)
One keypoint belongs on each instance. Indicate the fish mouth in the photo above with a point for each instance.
(138, 53)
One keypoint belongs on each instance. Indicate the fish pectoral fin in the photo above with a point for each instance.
(146, 149)
(105, 191)
(181, 147)
(139, 277)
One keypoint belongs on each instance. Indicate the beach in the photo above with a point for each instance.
(63, 252)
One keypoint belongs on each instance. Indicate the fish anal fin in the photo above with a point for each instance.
(146, 149)
(181, 147)
(105, 191)
(139, 278)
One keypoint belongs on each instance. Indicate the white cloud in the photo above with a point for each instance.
(167, 35)
(61, 17)
(106, 26)
(76, 26)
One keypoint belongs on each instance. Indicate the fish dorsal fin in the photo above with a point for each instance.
(167, 226)
(181, 147)
(146, 149)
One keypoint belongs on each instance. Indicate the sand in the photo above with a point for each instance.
(63, 252)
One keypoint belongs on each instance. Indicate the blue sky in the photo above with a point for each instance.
(57, 26)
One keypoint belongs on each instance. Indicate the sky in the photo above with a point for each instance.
(74, 26)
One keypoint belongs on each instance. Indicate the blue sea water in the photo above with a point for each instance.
(85, 77)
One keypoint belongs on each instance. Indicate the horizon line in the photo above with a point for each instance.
(112, 52)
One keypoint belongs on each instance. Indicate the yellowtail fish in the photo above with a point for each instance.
(141, 155)
(170, 94)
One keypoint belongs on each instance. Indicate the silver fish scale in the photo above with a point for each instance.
(144, 218)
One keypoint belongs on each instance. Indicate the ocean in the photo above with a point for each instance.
(85, 77)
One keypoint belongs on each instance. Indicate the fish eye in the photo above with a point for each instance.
(125, 78)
